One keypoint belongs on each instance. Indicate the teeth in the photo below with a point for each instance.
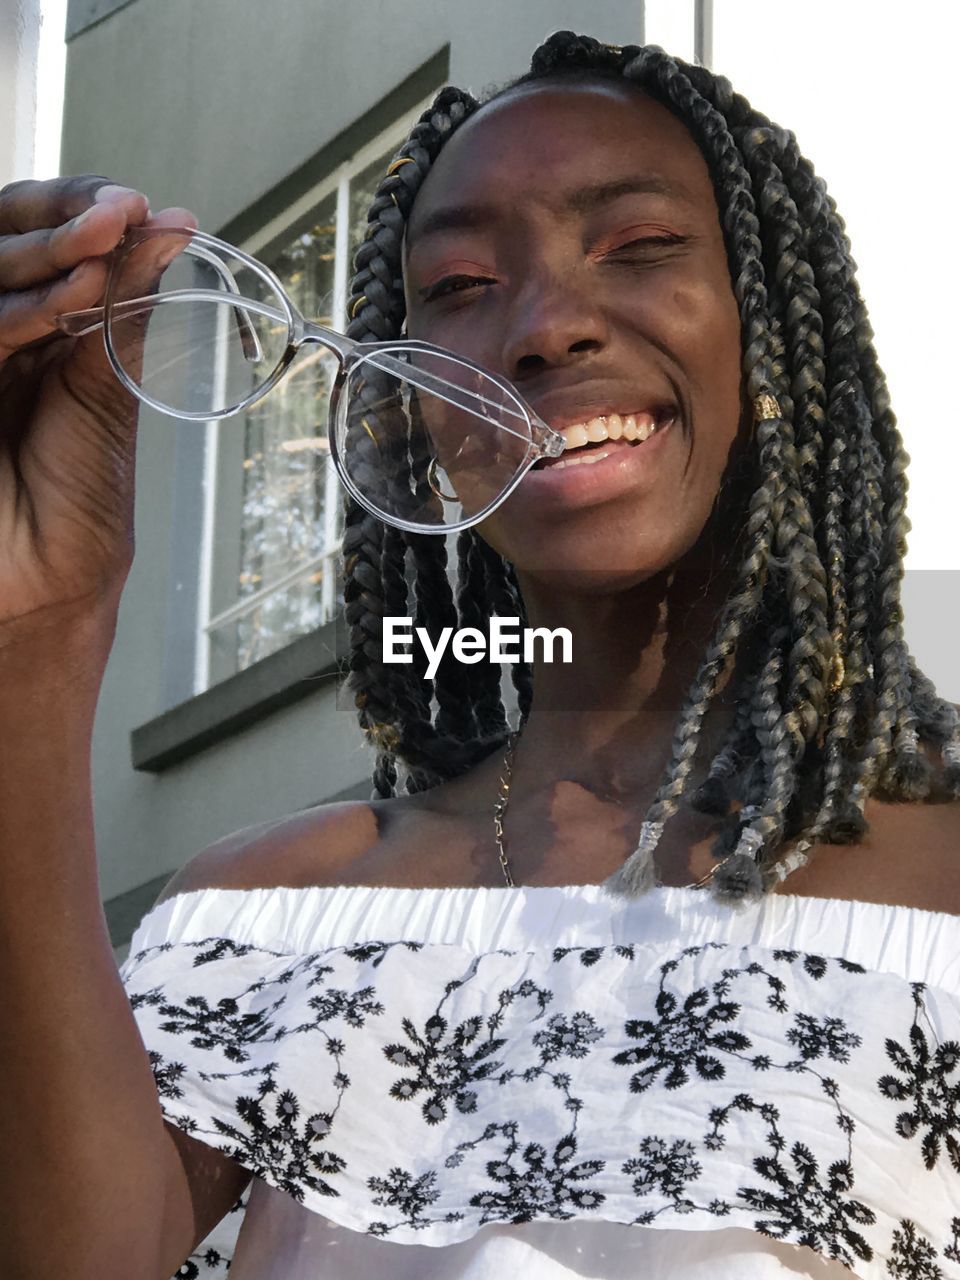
(577, 462)
(614, 426)
(645, 425)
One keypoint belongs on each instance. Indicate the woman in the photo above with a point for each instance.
(513, 1064)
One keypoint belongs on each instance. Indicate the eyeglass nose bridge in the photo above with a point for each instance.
(311, 332)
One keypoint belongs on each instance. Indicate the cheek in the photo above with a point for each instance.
(706, 339)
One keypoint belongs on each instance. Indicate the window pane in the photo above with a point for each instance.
(285, 460)
(272, 624)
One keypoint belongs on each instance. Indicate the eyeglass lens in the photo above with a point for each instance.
(193, 347)
(427, 438)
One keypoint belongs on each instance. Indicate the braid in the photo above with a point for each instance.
(395, 708)
(503, 593)
(473, 602)
(829, 704)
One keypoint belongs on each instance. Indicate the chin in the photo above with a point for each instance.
(565, 561)
(589, 581)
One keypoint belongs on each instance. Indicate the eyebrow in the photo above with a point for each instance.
(465, 217)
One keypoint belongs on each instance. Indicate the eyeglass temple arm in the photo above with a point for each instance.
(551, 442)
(79, 323)
(248, 334)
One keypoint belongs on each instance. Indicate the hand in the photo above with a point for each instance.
(67, 425)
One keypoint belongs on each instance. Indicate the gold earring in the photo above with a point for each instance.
(432, 482)
(765, 407)
(837, 670)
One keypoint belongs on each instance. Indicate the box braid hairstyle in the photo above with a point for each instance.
(834, 707)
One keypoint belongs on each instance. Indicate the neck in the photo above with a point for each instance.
(607, 718)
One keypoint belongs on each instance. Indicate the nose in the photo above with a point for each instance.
(553, 323)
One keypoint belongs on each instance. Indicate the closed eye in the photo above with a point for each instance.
(453, 284)
(646, 245)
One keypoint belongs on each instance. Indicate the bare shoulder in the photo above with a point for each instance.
(406, 841)
(909, 857)
(314, 847)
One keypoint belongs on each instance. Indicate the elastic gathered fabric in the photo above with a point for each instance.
(444, 1083)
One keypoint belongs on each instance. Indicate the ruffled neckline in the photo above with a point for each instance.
(913, 942)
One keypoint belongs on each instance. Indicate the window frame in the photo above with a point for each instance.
(337, 181)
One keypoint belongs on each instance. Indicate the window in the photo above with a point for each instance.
(274, 501)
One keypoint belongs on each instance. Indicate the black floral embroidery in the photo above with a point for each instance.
(406, 1193)
(666, 1168)
(545, 1187)
(567, 1037)
(353, 1007)
(166, 1074)
(806, 1206)
(287, 1154)
(706, 1024)
(444, 1065)
(589, 956)
(212, 1262)
(222, 947)
(817, 966)
(952, 1250)
(221, 1024)
(445, 1061)
(375, 951)
(681, 1036)
(818, 1036)
(912, 1256)
(923, 1081)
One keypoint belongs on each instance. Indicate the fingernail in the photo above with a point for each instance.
(115, 193)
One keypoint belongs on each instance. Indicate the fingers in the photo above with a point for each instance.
(28, 308)
(37, 256)
(32, 206)
(61, 240)
(30, 314)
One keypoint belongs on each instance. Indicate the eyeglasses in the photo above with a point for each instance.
(423, 438)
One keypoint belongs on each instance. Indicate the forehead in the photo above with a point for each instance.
(538, 140)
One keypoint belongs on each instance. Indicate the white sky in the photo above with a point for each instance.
(870, 91)
(50, 68)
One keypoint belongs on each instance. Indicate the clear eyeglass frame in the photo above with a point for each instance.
(490, 397)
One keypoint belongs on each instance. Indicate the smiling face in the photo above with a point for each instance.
(568, 238)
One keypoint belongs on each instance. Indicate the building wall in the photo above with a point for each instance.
(212, 105)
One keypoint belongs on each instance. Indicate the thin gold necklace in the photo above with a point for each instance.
(500, 809)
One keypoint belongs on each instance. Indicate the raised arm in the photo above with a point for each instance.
(92, 1181)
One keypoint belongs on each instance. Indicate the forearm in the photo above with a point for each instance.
(83, 1151)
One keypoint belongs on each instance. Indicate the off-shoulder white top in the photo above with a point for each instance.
(463, 1084)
